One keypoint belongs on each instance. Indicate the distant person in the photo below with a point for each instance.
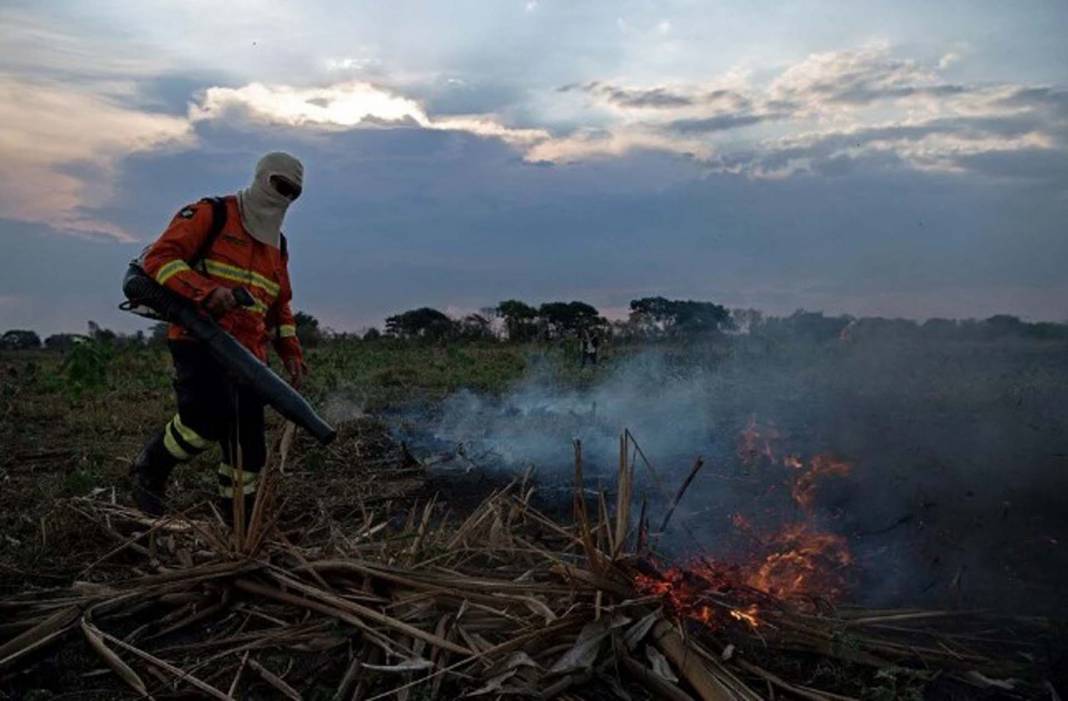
(209, 250)
(590, 346)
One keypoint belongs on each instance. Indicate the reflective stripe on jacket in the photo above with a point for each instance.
(235, 259)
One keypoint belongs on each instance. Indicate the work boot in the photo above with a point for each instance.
(149, 474)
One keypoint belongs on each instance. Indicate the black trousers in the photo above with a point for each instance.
(213, 408)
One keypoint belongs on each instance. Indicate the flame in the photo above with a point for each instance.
(702, 591)
(792, 461)
(748, 615)
(798, 565)
(802, 562)
(824, 465)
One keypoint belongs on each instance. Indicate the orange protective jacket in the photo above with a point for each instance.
(235, 259)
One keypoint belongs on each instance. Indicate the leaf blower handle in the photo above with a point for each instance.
(238, 360)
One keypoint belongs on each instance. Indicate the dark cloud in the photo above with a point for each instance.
(659, 97)
(1034, 164)
(864, 94)
(1054, 101)
(720, 122)
(656, 97)
(830, 152)
(731, 99)
(995, 118)
(397, 218)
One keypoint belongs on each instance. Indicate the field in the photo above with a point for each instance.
(934, 512)
(71, 428)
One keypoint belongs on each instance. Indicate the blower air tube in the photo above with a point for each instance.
(247, 368)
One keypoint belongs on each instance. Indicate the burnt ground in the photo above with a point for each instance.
(63, 439)
(957, 451)
(50, 543)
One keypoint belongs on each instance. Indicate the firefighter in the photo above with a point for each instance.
(591, 344)
(209, 250)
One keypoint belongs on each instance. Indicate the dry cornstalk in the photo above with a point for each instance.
(689, 664)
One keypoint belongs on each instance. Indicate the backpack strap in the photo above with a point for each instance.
(218, 221)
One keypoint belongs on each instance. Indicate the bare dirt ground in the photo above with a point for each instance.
(65, 437)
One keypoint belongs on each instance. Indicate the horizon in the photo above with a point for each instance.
(895, 160)
(141, 324)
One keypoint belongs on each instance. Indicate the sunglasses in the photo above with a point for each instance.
(285, 188)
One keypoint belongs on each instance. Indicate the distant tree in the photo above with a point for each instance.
(970, 330)
(939, 328)
(372, 334)
(693, 318)
(20, 339)
(624, 330)
(519, 320)
(1047, 330)
(1001, 325)
(561, 319)
(676, 317)
(651, 314)
(476, 327)
(813, 326)
(881, 329)
(308, 330)
(62, 341)
(100, 334)
(420, 323)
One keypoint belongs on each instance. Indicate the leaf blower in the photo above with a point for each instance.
(148, 298)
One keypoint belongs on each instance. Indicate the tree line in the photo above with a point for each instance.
(649, 319)
(516, 321)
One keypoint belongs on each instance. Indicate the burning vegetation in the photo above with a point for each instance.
(503, 602)
(740, 579)
(796, 564)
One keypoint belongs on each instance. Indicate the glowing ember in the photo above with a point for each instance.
(748, 615)
(700, 592)
(821, 466)
(802, 563)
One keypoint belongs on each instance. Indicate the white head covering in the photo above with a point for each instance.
(262, 207)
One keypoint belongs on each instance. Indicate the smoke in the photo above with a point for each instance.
(536, 423)
(339, 408)
(957, 452)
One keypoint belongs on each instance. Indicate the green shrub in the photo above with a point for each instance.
(88, 365)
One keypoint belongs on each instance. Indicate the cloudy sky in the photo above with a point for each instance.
(895, 157)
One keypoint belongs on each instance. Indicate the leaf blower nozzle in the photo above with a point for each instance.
(142, 290)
